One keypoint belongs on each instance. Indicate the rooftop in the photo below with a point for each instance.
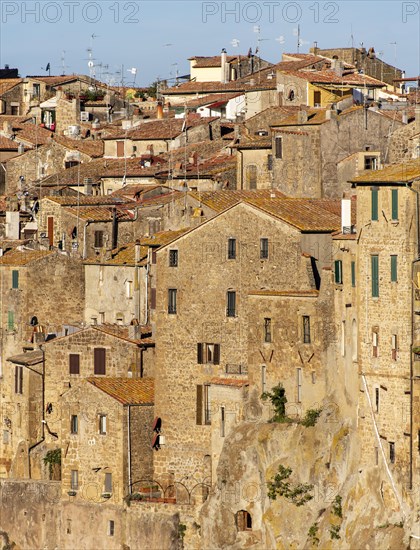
(127, 391)
(15, 257)
(395, 173)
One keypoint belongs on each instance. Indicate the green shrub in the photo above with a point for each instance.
(280, 485)
(278, 399)
(311, 417)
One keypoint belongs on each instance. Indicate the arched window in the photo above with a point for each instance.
(243, 520)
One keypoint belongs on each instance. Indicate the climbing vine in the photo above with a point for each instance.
(298, 493)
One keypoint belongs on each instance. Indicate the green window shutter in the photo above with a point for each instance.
(394, 269)
(353, 274)
(374, 194)
(394, 202)
(15, 279)
(10, 320)
(375, 276)
(338, 271)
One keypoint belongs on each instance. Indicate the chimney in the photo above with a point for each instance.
(302, 116)
(137, 252)
(346, 216)
(314, 49)
(7, 128)
(404, 117)
(223, 61)
(159, 110)
(337, 66)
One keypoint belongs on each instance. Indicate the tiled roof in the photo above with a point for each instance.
(7, 84)
(99, 213)
(307, 215)
(229, 382)
(211, 98)
(88, 200)
(286, 293)
(29, 358)
(127, 391)
(123, 332)
(17, 258)
(7, 144)
(221, 200)
(163, 237)
(168, 128)
(125, 255)
(214, 61)
(160, 199)
(394, 173)
(91, 147)
(133, 190)
(329, 76)
(29, 132)
(254, 142)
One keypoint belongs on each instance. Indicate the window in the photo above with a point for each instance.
(111, 528)
(231, 303)
(251, 176)
(338, 272)
(203, 413)
(15, 279)
(99, 239)
(269, 162)
(70, 163)
(317, 98)
(343, 338)
(36, 90)
(129, 289)
(94, 321)
(299, 385)
(375, 275)
(14, 110)
(392, 452)
(371, 163)
(173, 258)
(19, 379)
(120, 148)
(74, 363)
(102, 424)
(99, 361)
(231, 249)
(394, 347)
(74, 424)
(10, 320)
(222, 422)
(394, 269)
(353, 274)
(374, 205)
(208, 354)
(377, 400)
(394, 204)
(267, 329)
(74, 480)
(375, 343)
(279, 147)
(108, 483)
(243, 520)
(263, 378)
(172, 300)
(264, 249)
(306, 325)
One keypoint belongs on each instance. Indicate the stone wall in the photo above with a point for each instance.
(67, 114)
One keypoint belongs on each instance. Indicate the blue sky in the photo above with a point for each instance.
(157, 37)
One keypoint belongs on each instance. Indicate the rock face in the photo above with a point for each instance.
(350, 508)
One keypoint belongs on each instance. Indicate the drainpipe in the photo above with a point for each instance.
(42, 374)
(129, 447)
(412, 337)
(137, 250)
(84, 240)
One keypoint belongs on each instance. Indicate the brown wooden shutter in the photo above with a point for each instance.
(199, 354)
(153, 257)
(99, 355)
(74, 363)
(152, 298)
(216, 354)
(50, 230)
(199, 411)
(18, 379)
(120, 148)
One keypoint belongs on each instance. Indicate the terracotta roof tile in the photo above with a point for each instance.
(88, 200)
(7, 144)
(29, 358)
(163, 237)
(211, 98)
(7, 84)
(99, 213)
(214, 61)
(161, 128)
(221, 200)
(123, 332)
(16, 257)
(394, 173)
(92, 147)
(331, 77)
(127, 391)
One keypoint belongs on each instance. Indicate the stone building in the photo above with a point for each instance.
(203, 322)
(106, 438)
(404, 143)
(387, 291)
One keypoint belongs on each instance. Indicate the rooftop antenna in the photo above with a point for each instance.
(63, 63)
(133, 71)
(298, 38)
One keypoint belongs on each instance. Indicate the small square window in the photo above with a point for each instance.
(172, 295)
